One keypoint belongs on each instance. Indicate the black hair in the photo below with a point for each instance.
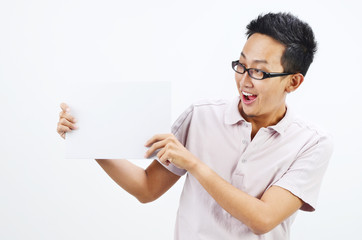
(296, 35)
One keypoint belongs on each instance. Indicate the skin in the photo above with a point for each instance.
(260, 215)
(264, 53)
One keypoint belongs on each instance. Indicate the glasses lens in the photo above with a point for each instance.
(256, 73)
(239, 68)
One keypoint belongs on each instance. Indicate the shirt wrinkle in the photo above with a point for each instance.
(180, 122)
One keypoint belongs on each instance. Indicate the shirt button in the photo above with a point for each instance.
(243, 160)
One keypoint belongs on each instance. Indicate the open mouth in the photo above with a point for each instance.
(248, 97)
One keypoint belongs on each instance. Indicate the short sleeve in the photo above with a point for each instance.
(304, 177)
(180, 129)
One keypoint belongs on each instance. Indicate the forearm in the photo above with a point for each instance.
(251, 211)
(130, 177)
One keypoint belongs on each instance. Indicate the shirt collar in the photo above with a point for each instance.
(284, 123)
(233, 116)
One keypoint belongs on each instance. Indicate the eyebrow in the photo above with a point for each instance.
(256, 61)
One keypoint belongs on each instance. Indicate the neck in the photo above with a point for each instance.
(264, 120)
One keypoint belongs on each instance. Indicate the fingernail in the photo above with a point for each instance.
(75, 120)
(75, 127)
(68, 110)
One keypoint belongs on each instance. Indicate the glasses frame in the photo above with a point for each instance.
(265, 74)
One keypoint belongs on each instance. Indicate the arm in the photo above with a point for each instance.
(146, 185)
(260, 215)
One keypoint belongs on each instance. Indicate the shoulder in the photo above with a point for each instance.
(209, 110)
(210, 103)
(209, 106)
(310, 127)
(201, 110)
(205, 105)
(315, 134)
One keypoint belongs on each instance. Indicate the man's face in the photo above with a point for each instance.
(268, 99)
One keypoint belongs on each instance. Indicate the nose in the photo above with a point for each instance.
(244, 80)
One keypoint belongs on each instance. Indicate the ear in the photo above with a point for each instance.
(294, 82)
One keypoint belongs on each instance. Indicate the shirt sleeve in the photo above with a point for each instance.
(304, 177)
(180, 129)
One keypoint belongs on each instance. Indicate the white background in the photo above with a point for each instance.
(47, 46)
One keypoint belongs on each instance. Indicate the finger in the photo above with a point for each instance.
(155, 146)
(161, 152)
(66, 123)
(64, 107)
(68, 117)
(63, 129)
(156, 138)
(166, 158)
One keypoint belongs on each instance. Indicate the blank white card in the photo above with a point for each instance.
(116, 119)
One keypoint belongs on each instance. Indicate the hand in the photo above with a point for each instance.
(66, 121)
(172, 151)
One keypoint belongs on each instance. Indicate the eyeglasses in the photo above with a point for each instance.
(254, 72)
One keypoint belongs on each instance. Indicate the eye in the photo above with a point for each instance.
(241, 68)
(257, 73)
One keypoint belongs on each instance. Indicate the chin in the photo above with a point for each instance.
(247, 114)
(250, 115)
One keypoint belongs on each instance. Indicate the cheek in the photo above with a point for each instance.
(272, 95)
(267, 93)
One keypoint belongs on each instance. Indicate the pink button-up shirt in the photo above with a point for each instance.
(292, 154)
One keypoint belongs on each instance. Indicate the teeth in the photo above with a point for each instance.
(247, 94)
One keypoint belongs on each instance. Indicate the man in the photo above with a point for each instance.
(250, 163)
